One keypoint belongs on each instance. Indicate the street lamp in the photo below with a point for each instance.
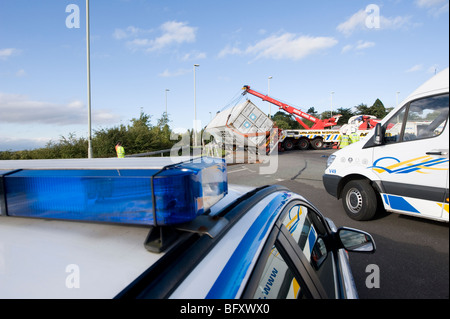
(331, 104)
(195, 108)
(88, 81)
(397, 97)
(167, 90)
(268, 93)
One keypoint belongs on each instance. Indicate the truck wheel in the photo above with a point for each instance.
(288, 145)
(359, 200)
(303, 144)
(317, 143)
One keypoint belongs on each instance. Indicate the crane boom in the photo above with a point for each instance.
(318, 123)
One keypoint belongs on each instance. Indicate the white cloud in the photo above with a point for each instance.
(228, 50)
(169, 74)
(21, 73)
(430, 3)
(356, 21)
(8, 52)
(129, 32)
(434, 7)
(361, 20)
(362, 45)
(194, 56)
(171, 32)
(285, 46)
(415, 68)
(359, 46)
(18, 143)
(17, 108)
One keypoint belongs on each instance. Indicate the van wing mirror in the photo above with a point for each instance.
(379, 140)
(355, 240)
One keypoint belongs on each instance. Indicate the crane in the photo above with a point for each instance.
(318, 123)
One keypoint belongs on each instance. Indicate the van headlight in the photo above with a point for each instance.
(330, 160)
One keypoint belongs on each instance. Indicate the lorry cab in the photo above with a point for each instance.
(402, 165)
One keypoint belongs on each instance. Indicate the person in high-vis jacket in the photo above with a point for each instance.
(120, 150)
(354, 136)
(344, 139)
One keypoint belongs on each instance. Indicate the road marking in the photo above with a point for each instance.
(237, 170)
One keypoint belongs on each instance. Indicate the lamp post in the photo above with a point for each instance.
(397, 97)
(268, 93)
(88, 81)
(195, 107)
(167, 90)
(331, 104)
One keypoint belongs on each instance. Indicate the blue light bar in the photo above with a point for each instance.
(161, 195)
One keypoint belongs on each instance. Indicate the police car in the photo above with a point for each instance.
(163, 228)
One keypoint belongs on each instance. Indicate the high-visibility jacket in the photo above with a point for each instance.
(345, 141)
(120, 152)
(354, 137)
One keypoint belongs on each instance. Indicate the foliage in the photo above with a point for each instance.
(285, 121)
(140, 136)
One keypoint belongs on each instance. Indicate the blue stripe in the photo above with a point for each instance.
(400, 203)
(230, 279)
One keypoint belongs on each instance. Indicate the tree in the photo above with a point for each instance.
(378, 109)
(285, 120)
(346, 115)
(362, 109)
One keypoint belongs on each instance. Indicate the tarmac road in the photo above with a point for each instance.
(412, 253)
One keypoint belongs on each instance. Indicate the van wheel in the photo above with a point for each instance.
(359, 200)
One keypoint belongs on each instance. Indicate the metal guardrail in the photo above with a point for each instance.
(155, 152)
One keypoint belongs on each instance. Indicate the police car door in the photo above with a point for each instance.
(412, 164)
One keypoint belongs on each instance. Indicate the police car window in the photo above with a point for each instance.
(307, 229)
(303, 228)
(277, 280)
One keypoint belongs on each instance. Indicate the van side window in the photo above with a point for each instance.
(425, 118)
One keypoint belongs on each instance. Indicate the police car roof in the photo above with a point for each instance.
(66, 259)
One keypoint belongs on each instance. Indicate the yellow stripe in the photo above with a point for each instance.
(379, 170)
(445, 206)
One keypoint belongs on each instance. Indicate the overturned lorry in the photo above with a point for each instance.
(243, 127)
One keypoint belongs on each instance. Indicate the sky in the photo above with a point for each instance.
(322, 54)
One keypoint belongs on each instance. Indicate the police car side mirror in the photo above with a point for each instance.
(355, 240)
(378, 136)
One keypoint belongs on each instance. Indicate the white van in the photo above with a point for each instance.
(402, 163)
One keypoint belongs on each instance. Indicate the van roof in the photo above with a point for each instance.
(437, 84)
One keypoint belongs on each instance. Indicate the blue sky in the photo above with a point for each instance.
(359, 50)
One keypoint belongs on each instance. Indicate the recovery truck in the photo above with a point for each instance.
(317, 136)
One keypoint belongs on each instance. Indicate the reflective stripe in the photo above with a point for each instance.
(354, 137)
(344, 141)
